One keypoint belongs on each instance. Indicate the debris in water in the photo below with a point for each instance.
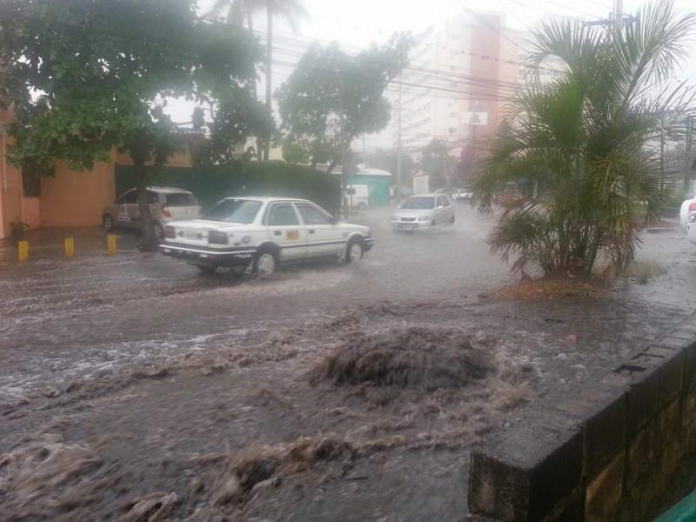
(415, 357)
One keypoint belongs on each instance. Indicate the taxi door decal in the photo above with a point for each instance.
(292, 235)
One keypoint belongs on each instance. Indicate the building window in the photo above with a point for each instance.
(31, 181)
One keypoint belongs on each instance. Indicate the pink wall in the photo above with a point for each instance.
(10, 192)
(76, 198)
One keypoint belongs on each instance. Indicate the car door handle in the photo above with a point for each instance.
(311, 231)
(278, 233)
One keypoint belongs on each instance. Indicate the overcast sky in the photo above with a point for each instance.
(357, 23)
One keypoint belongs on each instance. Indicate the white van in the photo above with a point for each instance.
(358, 196)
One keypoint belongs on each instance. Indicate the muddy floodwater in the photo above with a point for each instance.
(134, 389)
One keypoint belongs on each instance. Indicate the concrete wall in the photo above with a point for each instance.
(620, 449)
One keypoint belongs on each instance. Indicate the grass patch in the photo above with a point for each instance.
(553, 288)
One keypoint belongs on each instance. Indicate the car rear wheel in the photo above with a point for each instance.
(265, 264)
(354, 251)
(108, 222)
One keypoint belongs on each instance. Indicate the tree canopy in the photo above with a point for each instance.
(85, 76)
(331, 98)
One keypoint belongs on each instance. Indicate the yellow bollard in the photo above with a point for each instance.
(111, 244)
(23, 250)
(69, 247)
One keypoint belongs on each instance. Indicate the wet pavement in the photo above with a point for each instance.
(171, 365)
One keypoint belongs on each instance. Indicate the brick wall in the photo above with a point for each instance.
(623, 449)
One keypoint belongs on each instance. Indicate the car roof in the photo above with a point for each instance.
(426, 195)
(168, 190)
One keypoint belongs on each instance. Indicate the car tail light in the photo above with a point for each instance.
(692, 217)
(217, 238)
(165, 211)
(169, 232)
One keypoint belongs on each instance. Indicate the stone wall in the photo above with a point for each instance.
(622, 449)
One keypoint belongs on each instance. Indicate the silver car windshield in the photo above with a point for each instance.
(241, 211)
(419, 203)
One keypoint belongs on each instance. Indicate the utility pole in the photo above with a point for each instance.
(618, 14)
(364, 152)
(398, 149)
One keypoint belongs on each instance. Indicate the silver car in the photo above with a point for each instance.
(423, 211)
(166, 204)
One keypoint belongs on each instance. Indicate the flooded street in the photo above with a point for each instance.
(132, 387)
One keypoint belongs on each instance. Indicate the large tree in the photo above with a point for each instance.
(237, 12)
(331, 98)
(85, 76)
(589, 142)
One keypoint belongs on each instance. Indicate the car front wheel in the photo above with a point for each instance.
(354, 251)
(265, 264)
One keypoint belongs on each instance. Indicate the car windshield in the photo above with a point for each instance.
(419, 203)
(233, 211)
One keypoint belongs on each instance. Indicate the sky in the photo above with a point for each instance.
(357, 23)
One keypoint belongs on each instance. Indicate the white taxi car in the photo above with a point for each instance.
(259, 233)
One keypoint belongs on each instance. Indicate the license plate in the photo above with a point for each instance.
(192, 235)
(405, 225)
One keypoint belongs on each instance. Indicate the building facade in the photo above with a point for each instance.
(461, 73)
(70, 198)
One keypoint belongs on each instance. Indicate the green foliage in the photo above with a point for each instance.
(18, 230)
(587, 143)
(437, 163)
(101, 66)
(246, 178)
(331, 98)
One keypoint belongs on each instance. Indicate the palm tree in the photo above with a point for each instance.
(587, 143)
(238, 11)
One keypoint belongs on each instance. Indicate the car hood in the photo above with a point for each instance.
(413, 213)
(351, 227)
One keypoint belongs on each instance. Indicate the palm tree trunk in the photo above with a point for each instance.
(269, 73)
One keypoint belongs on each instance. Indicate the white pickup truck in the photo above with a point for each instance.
(259, 233)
